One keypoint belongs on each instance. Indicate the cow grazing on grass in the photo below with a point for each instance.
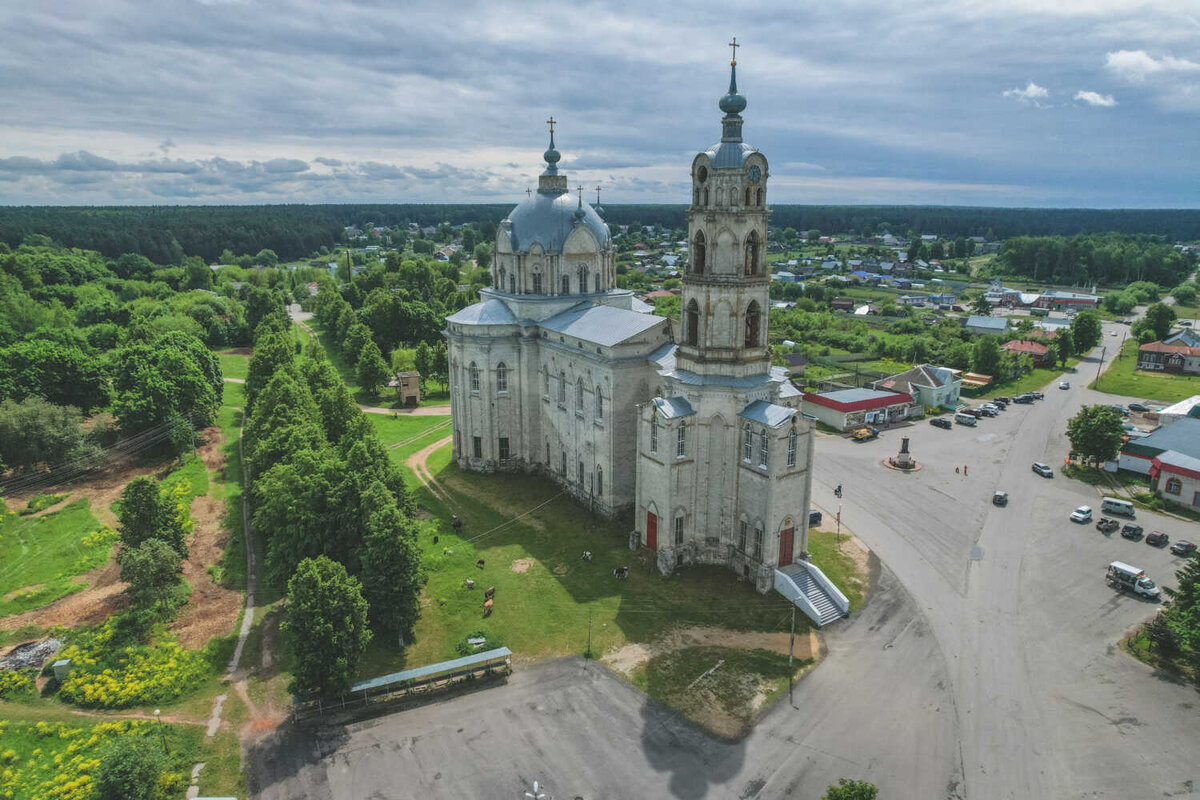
(479, 563)
(470, 584)
(621, 573)
(487, 607)
(587, 555)
(489, 593)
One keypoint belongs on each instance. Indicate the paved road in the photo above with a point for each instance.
(1047, 705)
(583, 732)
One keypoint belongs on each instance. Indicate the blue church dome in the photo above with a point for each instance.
(548, 220)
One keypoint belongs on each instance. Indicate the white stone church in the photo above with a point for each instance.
(684, 423)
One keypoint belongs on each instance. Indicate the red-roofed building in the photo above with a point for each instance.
(847, 409)
(1034, 349)
(1163, 357)
(660, 293)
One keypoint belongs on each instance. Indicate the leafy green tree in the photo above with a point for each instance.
(357, 337)
(985, 356)
(404, 359)
(814, 235)
(156, 383)
(483, 256)
(266, 257)
(1185, 293)
(152, 571)
(372, 371)
(327, 626)
(34, 432)
(272, 353)
(1051, 357)
(148, 512)
(1066, 346)
(981, 305)
(129, 769)
(1160, 317)
(1096, 433)
(1086, 330)
(390, 565)
(846, 789)
(63, 374)
(423, 361)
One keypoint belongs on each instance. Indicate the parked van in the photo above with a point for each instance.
(965, 419)
(1113, 505)
(1132, 579)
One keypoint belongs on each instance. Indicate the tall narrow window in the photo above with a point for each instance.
(537, 283)
(599, 404)
(791, 461)
(742, 536)
(763, 448)
(758, 541)
(547, 455)
(503, 449)
(698, 250)
(546, 383)
(503, 273)
(579, 397)
(477, 446)
(566, 284)
(599, 480)
(597, 279)
(512, 284)
(474, 377)
(753, 316)
(759, 197)
(501, 378)
(681, 441)
(692, 324)
(752, 260)
(747, 196)
(581, 473)
(562, 388)
(653, 435)
(564, 464)
(583, 279)
(747, 442)
(679, 530)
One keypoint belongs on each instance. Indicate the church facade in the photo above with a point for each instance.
(683, 423)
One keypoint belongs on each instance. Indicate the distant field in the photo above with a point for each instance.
(1123, 378)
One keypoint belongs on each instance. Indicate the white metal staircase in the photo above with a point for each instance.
(805, 585)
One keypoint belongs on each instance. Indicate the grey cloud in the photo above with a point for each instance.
(329, 162)
(277, 165)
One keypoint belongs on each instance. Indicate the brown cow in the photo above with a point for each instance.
(487, 607)
(490, 592)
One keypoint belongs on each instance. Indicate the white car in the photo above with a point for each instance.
(1064, 384)
(1114, 333)
(1081, 514)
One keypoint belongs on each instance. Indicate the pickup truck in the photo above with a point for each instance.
(1107, 525)
(1131, 579)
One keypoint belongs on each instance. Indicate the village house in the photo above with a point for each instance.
(1035, 350)
(935, 387)
(846, 409)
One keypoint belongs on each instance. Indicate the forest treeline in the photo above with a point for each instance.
(1107, 260)
(166, 234)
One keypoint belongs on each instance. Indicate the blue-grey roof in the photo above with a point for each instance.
(396, 678)
(729, 154)
(665, 356)
(1177, 459)
(673, 407)
(1182, 436)
(856, 395)
(980, 321)
(603, 325)
(768, 414)
(489, 312)
(548, 220)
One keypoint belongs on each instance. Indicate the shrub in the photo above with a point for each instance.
(40, 502)
(13, 683)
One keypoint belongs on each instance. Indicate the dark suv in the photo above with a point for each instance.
(941, 422)
(1157, 539)
(1131, 531)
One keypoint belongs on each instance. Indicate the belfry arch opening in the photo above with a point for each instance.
(752, 254)
(691, 324)
(753, 318)
(699, 253)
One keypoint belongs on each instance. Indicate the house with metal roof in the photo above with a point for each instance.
(847, 409)
(979, 324)
(935, 387)
(1181, 435)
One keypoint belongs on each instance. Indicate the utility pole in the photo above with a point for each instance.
(791, 648)
(837, 537)
(1100, 366)
(589, 650)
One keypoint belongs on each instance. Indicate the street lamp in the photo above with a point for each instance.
(161, 736)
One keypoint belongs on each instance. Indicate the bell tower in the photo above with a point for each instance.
(725, 298)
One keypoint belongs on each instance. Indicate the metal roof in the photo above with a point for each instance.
(673, 407)
(603, 325)
(856, 395)
(980, 321)
(767, 413)
(1182, 436)
(548, 220)
(430, 669)
(489, 312)
(729, 154)
(1176, 459)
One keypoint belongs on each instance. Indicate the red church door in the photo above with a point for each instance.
(651, 531)
(785, 546)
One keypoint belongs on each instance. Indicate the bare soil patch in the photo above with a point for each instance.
(628, 658)
(212, 609)
(522, 564)
(238, 351)
(101, 599)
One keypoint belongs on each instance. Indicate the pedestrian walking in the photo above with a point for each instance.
(964, 469)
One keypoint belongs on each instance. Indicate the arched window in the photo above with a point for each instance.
(791, 460)
(752, 255)
(753, 317)
(562, 388)
(698, 253)
(696, 198)
(501, 377)
(474, 377)
(597, 279)
(759, 197)
(653, 435)
(581, 473)
(566, 285)
(747, 195)
(691, 324)
(546, 383)
(758, 541)
(599, 480)
(706, 197)
(1174, 486)
(763, 448)
(500, 283)
(747, 444)
(579, 396)
(681, 441)
(512, 284)
(742, 531)
(583, 279)
(599, 404)
(537, 283)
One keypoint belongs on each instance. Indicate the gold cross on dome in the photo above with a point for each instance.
(735, 46)
(550, 122)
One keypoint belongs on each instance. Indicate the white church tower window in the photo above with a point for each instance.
(747, 444)
(474, 377)
(501, 378)
(653, 436)
(763, 448)
(681, 441)
(791, 451)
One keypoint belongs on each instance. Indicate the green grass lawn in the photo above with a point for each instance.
(41, 556)
(836, 565)
(404, 435)
(234, 395)
(1034, 380)
(233, 365)
(544, 610)
(1123, 378)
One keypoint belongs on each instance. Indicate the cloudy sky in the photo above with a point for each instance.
(966, 102)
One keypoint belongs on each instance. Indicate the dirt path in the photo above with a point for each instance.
(420, 411)
(628, 658)
(235, 380)
(418, 462)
